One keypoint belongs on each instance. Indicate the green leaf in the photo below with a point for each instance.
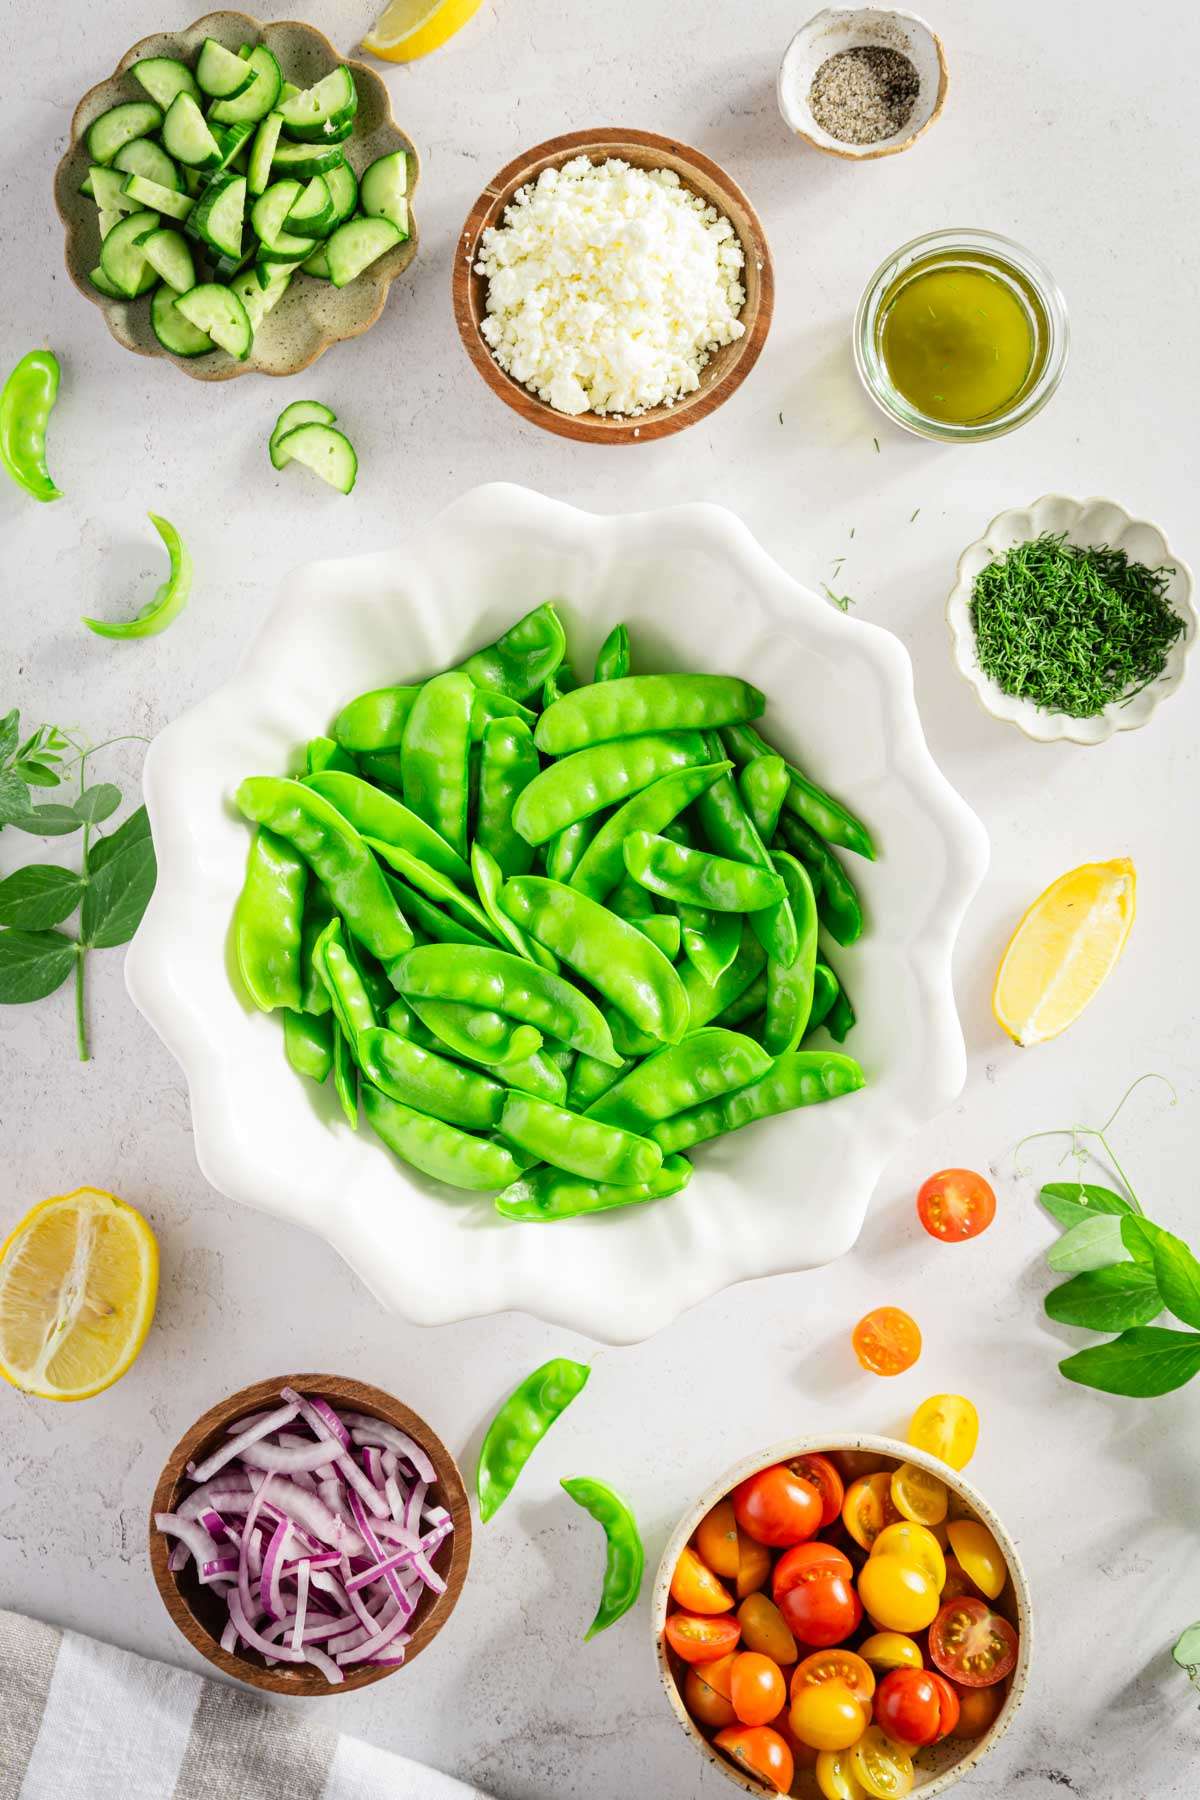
(33, 964)
(38, 774)
(1092, 1244)
(10, 732)
(39, 895)
(1108, 1299)
(132, 831)
(1178, 1276)
(1071, 1201)
(1187, 1651)
(99, 802)
(49, 821)
(14, 798)
(1139, 1237)
(117, 896)
(1140, 1363)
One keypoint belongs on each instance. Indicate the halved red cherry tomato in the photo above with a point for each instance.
(835, 1665)
(717, 1539)
(828, 1716)
(776, 1507)
(820, 1472)
(706, 1705)
(972, 1644)
(887, 1341)
(701, 1640)
(868, 1507)
(761, 1752)
(695, 1588)
(821, 1611)
(978, 1709)
(758, 1689)
(956, 1204)
(916, 1707)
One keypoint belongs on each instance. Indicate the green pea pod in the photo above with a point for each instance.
(710, 941)
(841, 1017)
(430, 920)
(564, 852)
(663, 930)
(626, 1557)
(705, 999)
(378, 815)
(825, 992)
(627, 1037)
(628, 900)
(169, 600)
(519, 1427)
(790, 990)
(436, 887)
(581, 1146)
(704, 1065)
(267, 928)
(610, 954)
(838, 904)
(322, 753)
(25, 405)
(603, 864)
(697, 877)
(439, 1150)
(434, 756)
(487, 705)
(804, 1078)
(764, 785)
(547, 1194)
(635, 704)
(587, 782)
(612, 658)
(731, 832)
(591, 1078)
(819, 810)
(385, 767)
(562, 681)
(431, 1083)
(508, 763)
(400, 1018)
(314, 995)
(489, 879)
(538, 1075)
(345, 1076)
(477, 1032)
(308, 1044)
(521, 990)
(352, 1005)
(748, 1003)
(523, 657)
(375, 721)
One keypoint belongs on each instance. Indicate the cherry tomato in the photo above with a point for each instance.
(820, 1472)
(868, 1507)
(706, 1705)
(695, 1588)
(956, 1204)
(916, 1707)
(764, 1628)
(701, 1640)
(957, 1582)
(887, 1341)
(951, 1706)
(821, 1611)
(835, 1665)
(891, 1650)
(754, 1565)
(978, 1709)
(803, 1755)
(717, 1540)
(899, 1595)
(946, 1425)
(761, 1752)
(853, 1463)
(971, 1644)
(884, 1769)
(836, 1778)
(776, 1507)
(914, 1544)
(919, 1495)
(809, 1562)
(980, 1555)
(828, 1716)
(758, 1689)
(719, 1674)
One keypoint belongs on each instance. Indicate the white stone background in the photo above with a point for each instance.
(1069, 125)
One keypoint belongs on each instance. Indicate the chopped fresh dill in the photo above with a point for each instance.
(912, 516)
(842, 601)
(875, 441)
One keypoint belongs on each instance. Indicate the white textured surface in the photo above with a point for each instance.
(1062, 128)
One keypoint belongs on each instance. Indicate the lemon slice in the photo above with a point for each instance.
(410, 28)
(1063, 950)
(78, 1282)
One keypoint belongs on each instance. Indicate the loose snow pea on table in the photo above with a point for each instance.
(520, 1425)
(603, 863)
(837, 898)
(804, 1078)
(587, 782)
(523, 657)
(378, 815)
(456, 1157)
(702, 1066)
(308, 1044)
(640, 703)
(434, 756)
(819, 810)
(764, 785)
(431, 1083)
(169, 599)
(267, 924)
(612, 658)
(521, 990)
(547, 1194)
(25, 406)
(790, 989)
(581, 1146)
(477, 1032)
(697, 877)
(626, 1559)
(508, 762)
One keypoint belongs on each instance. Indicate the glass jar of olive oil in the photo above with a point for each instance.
(961, 335)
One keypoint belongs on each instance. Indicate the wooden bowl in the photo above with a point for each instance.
(312, 314)
(727, 368)
(200, 1614)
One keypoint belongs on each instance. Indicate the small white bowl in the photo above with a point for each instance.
(1085, 522)
(852, 28)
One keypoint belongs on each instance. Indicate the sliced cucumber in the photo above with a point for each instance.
(318, 263)
(356, 244)
(312, 215)
(226, 267)
(100, 280)
(108, 191)
(328, 453)
(193, 182)
(163, 200)
(305, 159)
(258, 170)
(173, 331)
(163, 77)
(122, 257)
(248, 107)
(120, 125)
(289, 90)
(220, 73)
(142, 156)
(168, 255)
(232, 140)
(271, 209)
(219, 213)
(383, 188)
(107, 221)
(342, 183)
(257, 299)
(286, 248)
(186, 136)
(319, 113)
(218, 311)
(299, 412)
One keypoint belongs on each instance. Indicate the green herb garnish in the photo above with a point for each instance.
(843, 602)
(1074, 629)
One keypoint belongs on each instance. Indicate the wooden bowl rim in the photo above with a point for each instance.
(593, 428)
(304, 1681)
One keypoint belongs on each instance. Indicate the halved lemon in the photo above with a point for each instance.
(1063, 950)
(410, 28)
(78, 1282)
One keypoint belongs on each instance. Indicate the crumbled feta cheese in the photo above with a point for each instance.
(609, 287)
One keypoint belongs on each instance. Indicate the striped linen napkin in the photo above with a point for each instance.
(80, 1720)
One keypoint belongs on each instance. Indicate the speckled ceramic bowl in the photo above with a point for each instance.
(312, 314)
(841, 28)
(938, 1768)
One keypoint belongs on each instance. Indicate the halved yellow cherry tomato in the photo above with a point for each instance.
(884, 1769)
(827, 1716)
(946, 1425)
(765, 1629)
(919, 1495)
(696, 1588)
(868, 1507)
(704, 1702)
(717, 1540)
(915, 1544)
(980, 1555)
(899, 1595)
(888, 1650)
(836, 1778)
(754, 1565)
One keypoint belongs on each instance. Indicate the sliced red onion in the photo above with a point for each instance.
(189, 1532)
(234, 1446)
(302, 1581)
(288, 1459)
(365, 1430)
(327, 1666)
(272, 1568)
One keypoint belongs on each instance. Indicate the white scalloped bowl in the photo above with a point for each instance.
(697, 592)
(1085, 522)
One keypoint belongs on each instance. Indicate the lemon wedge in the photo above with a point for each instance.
(78, 1282)
(410, 28)
(1064, 949)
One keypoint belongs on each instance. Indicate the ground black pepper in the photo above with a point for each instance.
(862, 95)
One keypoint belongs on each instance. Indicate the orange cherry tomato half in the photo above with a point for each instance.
(701, 1640)
(704, 1703)
(758, 1689)
(978, 1709)
(754, 1565)
(776, 1507)
(971, 1644)
(717, 1540)
(956, 1204)
(821, 1474)
(916, 1707)
(887, 1341)
(868, 1507)
(764, 1628)
(760, 1751)
(835, 1665)
(822, 1611)
(828, 1716)
(695, 1588)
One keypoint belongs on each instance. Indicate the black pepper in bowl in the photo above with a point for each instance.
(863, 95)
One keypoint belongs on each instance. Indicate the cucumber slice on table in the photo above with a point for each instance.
(218, 311)
(186, 136)
(305, 159)
(312, 216)
(221, 73)
(108, 191)
(168, 255)
(142, 156)
(271, 209)
(256, 101)
(342, 183)
(299, 412)
(356, 244)
(119, 125)
(219, 213)
(123, 259)
(173, 331)
(163, 77)
(328, 453)
(163, 200)
(325, 112)
(383, 187)
(258, 169)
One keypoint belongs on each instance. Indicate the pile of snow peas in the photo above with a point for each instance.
(549, 937)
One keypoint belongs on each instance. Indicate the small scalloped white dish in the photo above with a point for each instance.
(697, 593)
(1086, 522)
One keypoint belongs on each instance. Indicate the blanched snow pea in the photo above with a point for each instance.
(790, 990)
(538, 1075)
(167, 601)
(431, 1083)
(496, 978)
(750, 1002)
(731, 832)
(603, 863)
(710, 940)
(546, 1194)
(837, 898)
(489, 879)
(487, 705)
(345, 1075)
(378, 815)
(764, 785)
(825, 992)
(826, 816)
(26, 402)
(508, 763)
(562, 680)
(522, 657)
(804, 1078)
(322, 753)
(436, 887)
(840, 1019)
(564, 852)
(308, 1044)
(697, 877)
(626, 1559)
(375, 721)
(706, 1000)
(639, 703)
(581, 1146)
(591, 1078)
(400, 1018)
(663, 929)
(612, 658)
(314, 995)
(701, 1067)
(437, 1149)
(352, 1006)
(429, 921)
(520, 1425)
(477, 1032)
(267, 924)
(605, 775)
(434, 756)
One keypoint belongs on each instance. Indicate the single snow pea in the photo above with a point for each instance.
(372, 975)
(522, 657)
(477, 1032)
(602, 864)
(314, 995)
(706, 1000)
(564, 851)
(610, 954)
(764, 784)
(436, 887)
(841, 1017)
(748, 1004)
(508, 763)
(267, 924)
(400, 1018)
(702, 1066)
(581, 1146)
(710, 940)
(345, 1076)
(489, 879)
(790, 990)
(487, 705)
(826, 816)
(547, 1194)
(520, 1425)
(837, 898)
(804, 1078)
(697, 877)
(628, 1038)
(337, 856)
(25, 406)
(583, 784)
(322, 753)
(612, 658)
(639, 703)
(168, 600)
(308, 1044)
(825, 992)
(431, 1083)
(429, 922)
(378, 815)
(442, 1151)
(731, 832)
(626, 1557)
(663, 930)
(538, 1075)
(521, 990)
(375, 721)
(434, 756)
(352, 1005)
(591, 1078)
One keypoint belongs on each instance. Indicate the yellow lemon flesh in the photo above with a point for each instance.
(78, 1282)
(410, 28)
(1063, 950)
